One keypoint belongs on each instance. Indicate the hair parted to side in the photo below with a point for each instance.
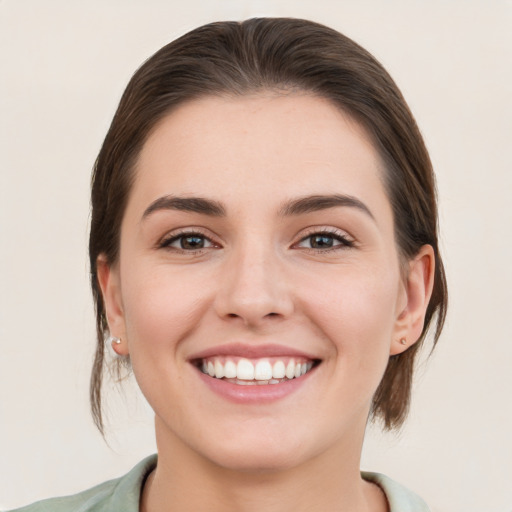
(232, 58)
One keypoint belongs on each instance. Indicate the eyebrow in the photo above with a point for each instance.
(316, 203)
(298, 206)
(186, 204)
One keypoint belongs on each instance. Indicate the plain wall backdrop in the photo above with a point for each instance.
(64, 65)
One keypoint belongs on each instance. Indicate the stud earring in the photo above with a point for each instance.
(112, 345)
(115, 340)
(403, 341)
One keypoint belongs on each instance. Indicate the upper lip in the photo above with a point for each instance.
(251, 351)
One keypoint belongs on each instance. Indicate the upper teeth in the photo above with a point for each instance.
(260, 370)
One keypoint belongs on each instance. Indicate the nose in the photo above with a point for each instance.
(254, 288)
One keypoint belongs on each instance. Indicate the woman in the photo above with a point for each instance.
(264, 255)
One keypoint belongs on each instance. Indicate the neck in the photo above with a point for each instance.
(185, 481)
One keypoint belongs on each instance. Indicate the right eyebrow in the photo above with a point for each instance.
(186, 204)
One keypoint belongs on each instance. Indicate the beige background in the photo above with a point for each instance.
(64, 65)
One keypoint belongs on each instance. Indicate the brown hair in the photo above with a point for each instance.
(277, 54)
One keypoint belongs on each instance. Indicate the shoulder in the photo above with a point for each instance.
(399, 498)
(119, 494)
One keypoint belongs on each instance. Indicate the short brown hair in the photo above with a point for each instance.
(274, 54)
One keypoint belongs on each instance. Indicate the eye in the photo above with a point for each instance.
(326, 240)
(188, 242)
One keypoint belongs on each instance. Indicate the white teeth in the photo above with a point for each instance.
(230, 370)
(290, 369)
(263, 370)
(260, 372)
(245, 370)
(219, 370)
(278, 370)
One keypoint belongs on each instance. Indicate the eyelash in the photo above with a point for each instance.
(340, 236)
(345, 241)
(166, 242)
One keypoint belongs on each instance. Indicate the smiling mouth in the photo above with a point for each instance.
(251, 372)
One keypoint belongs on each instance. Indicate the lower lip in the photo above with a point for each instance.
(256, 393)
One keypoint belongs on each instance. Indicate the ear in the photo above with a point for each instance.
(418, 286)
(109, 281)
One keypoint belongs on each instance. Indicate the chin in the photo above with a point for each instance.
(263, 447)
(259, 458)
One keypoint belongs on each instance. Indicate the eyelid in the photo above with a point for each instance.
(165, 241)
(346, 240)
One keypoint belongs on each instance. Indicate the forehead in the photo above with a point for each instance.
(263, 146)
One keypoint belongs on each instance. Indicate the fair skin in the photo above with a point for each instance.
(252, 273)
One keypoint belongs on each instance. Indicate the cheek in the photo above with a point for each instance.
(160, 307)
(356, 313)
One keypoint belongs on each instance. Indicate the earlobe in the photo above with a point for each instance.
(109, 282)
(418, 290)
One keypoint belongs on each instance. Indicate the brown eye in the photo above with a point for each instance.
(191, 243)
(321, 241)
(187, 242)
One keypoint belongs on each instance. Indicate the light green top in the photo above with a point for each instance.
(123, 494)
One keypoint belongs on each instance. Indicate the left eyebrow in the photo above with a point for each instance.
(316, 203)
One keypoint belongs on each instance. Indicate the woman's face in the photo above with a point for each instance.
(258, 243)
